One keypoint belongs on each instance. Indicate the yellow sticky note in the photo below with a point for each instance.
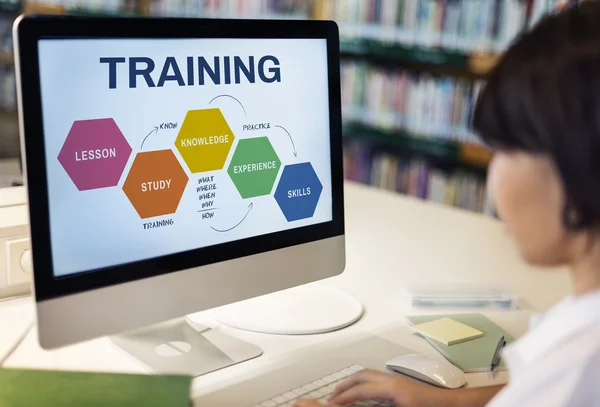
(448, 331)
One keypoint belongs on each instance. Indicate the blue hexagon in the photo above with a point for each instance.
(298, 191)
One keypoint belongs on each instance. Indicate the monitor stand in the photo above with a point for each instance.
(184, 347)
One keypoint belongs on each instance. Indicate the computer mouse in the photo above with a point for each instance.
(427, 369)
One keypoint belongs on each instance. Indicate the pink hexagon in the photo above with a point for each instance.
(95, 154)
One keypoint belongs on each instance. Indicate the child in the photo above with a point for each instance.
(540, 113)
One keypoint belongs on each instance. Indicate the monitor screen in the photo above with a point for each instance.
(160, 146)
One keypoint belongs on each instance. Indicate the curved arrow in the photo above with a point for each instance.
(229, 96)
(153, 131)
(239, 223)
(291, 139)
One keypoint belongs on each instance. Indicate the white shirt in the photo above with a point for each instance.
(556, 364)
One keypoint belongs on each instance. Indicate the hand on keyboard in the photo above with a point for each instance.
(320, 391)
(391, 390)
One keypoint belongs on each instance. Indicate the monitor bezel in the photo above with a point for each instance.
(31, 29)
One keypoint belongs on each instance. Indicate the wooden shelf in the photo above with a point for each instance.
(6, 58)
(470, 155)
(39, 8)
(474, 64)
(483, 64)
(9, 133)
(8, 119)
(474, 154)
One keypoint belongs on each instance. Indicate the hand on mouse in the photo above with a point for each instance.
(403, 392)
(374, 385)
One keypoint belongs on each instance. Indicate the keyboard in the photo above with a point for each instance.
(321, 389)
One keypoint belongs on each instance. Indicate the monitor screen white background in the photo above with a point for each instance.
(100, 227)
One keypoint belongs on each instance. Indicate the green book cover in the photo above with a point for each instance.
(474, 355)
(45, 388)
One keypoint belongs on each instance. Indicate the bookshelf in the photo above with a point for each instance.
(432, 41)
(469, 157)
(443, 60)
(444, 48)
(442, 52)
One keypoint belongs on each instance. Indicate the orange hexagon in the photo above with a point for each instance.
(155, 183)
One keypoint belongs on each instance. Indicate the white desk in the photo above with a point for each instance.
(391, 241)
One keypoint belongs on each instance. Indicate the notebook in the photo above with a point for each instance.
(448, 331)
(23, 387)
(474, 355)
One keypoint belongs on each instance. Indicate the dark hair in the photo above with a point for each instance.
(543, 97)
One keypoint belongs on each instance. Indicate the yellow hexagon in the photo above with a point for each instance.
(204, 140)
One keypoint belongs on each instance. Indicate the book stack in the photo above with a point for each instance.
(418, 103)
(281, 9)
(415, 177)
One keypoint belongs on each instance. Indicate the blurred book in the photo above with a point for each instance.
(22, 387)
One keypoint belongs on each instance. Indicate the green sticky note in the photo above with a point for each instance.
(474, 355)
(36, 388)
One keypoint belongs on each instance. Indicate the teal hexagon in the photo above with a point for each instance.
(254, 167)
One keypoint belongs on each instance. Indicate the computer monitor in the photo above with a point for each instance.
(175, 165)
